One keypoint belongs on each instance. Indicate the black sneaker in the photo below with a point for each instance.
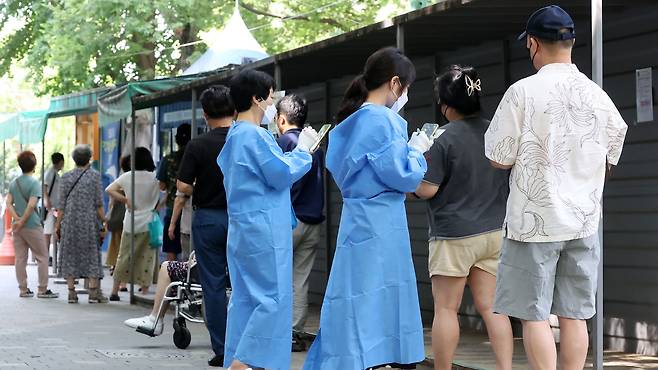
(115, 298)
(216, 361)
(298, 345)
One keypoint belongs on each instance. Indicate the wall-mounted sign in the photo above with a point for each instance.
(644, 95)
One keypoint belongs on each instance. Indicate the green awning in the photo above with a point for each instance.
(30, 127)
(117, 104)
(9, 127)
(33, 126)
(73, 104)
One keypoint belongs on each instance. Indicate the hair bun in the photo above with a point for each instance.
(459, 88)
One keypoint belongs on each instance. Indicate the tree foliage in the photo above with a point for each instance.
(75, 45)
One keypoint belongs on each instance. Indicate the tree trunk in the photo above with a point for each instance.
(185, 36)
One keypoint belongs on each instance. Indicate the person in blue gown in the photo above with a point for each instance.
(257, 178)
(370, 315)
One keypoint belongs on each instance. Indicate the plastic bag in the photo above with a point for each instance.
(156, 231)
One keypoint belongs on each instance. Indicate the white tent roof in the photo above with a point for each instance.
(233, 45)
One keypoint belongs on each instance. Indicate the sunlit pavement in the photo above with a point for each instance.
(52, 334)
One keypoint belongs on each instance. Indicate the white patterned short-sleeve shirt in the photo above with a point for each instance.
(557, 129)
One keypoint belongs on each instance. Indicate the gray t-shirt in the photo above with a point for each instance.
(52, 177)
(472, 194)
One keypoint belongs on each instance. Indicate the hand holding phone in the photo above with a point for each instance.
(324, 130)
(432, 130)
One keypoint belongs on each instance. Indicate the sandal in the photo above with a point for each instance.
(96, 296)
(26, 294)
(73, 296)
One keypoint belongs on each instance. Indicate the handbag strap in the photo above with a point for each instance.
(27, 200)
(20, 190)
(76, 183)
(52, 184)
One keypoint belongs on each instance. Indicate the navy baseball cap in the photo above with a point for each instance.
(547, 22)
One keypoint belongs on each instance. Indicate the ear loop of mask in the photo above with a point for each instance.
(393, 91)
(445, 111)
(259, 101)
(532, 59)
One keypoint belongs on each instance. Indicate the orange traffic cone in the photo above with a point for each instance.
(7, 246)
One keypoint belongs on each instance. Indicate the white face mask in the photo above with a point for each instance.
(402, 100)
(269, 115)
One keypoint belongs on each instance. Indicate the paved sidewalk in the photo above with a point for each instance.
(52, 334)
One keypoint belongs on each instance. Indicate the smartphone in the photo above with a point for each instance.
(432, 131)
(324, 130)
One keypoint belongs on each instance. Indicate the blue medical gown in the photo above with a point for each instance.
(257, 178)
(370, 314)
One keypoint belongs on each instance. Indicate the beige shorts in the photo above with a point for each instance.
(456, 257)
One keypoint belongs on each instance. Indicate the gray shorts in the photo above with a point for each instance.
(538, 279)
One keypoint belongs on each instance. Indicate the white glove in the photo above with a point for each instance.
(307, 138)
(420, 141)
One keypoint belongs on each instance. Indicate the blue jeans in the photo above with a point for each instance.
(209, 231)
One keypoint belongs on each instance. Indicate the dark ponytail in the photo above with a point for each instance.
(380, 67)
(459, 88)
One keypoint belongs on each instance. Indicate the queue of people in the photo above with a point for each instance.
(513, 208)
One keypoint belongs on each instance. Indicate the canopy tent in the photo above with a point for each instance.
(30, 126)
(9, 126)
(117, 104)
(234, 44)
(178, 109)
(74, 104)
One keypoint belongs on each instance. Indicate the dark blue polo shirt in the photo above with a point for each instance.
(307, 194)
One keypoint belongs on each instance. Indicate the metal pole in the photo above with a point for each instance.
(133, 136)
(277, 76)
(4, 164)
(194, 123)
(327, 190)
(43, 165)
(399, 43)
(194, 134)
(597, 77)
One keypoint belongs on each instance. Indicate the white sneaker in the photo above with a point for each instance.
(147, 321)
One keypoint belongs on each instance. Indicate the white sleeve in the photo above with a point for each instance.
(123, 181)
(501, 141)
(616, 133)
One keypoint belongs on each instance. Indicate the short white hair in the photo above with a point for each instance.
(81, 154)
